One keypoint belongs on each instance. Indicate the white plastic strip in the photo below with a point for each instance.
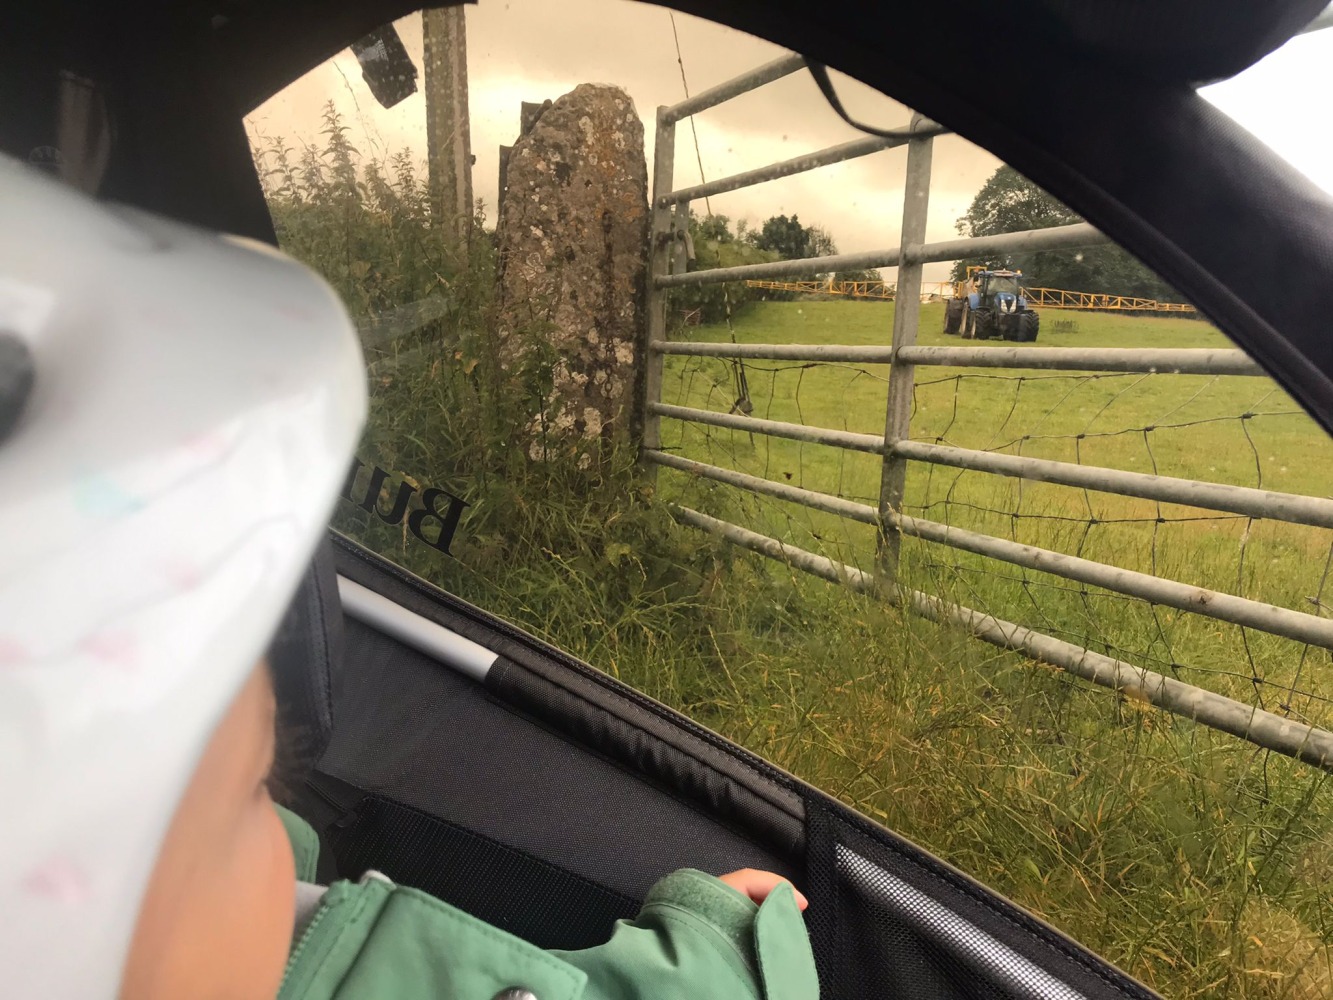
(409, 628)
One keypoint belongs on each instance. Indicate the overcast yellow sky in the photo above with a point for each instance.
(537, 49)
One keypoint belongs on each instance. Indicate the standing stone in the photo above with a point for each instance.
(528, 114)
(573, 262)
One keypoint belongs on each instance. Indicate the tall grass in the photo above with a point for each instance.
(1198, 863)
(1194, 860)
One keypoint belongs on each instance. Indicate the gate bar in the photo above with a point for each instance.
(1025, 241)
(796, 165)
(902, 374)
(794, 494)
(1080, 234)
(660, 250)
(743, 84)
(1225, 607)
(1291, 507)
(776, 428)
(874, 354)
(1147, 360)
(1265, 729)
(864, 260)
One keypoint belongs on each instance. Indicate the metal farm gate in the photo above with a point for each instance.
(669, 220)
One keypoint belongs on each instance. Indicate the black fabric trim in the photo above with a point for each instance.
(648, 748)
(305, 658)
(593, 708)
(824, 915)
(263, 54)
(820, 74)
(413, 730)
(326, 803)
(1172, 41)
(1178, 40)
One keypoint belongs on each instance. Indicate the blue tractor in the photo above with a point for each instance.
(998, 308)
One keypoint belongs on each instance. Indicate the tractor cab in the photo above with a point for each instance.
(1001, 285)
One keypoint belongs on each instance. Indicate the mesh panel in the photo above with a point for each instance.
(890, 902)
(540, 902)
(889, 920)
(865, 947)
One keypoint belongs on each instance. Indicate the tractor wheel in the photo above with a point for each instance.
(955, 316)
(967, 326)
(982, 324)
(1028, 325)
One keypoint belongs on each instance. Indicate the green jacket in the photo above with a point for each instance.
(695, 938)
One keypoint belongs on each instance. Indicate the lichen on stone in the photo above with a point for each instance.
(573, 253)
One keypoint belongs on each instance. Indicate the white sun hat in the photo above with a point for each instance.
(194, 405)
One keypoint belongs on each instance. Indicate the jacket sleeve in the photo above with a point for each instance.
(305, 843)
(698, 938)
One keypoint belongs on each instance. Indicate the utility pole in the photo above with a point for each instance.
(448, 134)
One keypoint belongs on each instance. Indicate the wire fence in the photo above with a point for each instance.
(1164, 537)
(1265, 561)
(1151, 519)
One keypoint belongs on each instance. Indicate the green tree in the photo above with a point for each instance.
(365, 224)
(715, 227)
(786, 237)
(861, 275)
(1009, 202)
(715, 245)
(421, 302)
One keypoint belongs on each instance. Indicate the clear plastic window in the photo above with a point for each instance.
(1014, 598)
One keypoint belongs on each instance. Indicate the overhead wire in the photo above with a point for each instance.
(743, 403)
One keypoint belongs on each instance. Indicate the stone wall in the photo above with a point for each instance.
(573, 261)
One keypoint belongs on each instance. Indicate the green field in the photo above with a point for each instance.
(1197, 431)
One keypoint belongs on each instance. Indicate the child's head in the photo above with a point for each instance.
(216, 921)
(194, 408)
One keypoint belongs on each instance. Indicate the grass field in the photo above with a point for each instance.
(1193, 860)
(1198, 432)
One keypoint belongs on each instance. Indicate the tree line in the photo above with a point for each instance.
(779, 237)
(1009, 202)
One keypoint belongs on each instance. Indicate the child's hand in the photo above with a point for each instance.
(757, 884)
